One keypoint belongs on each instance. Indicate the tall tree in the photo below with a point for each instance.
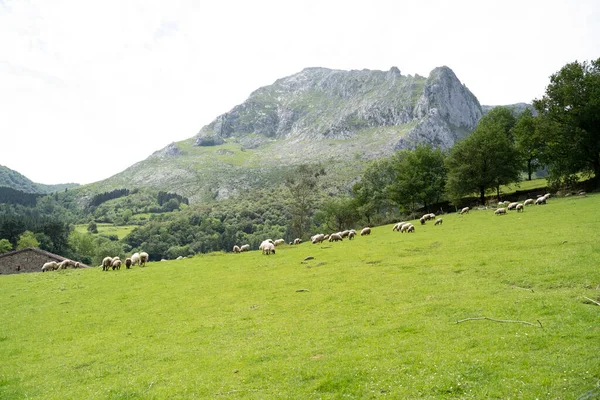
(529, 140)
(420, 177)
(302, 184)
(27, 239)
(486, 159)
(5, 246)
(371, 192)
(338, 214)
(572, 103)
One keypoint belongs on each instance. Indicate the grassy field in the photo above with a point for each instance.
(375, 317)
(108, 229)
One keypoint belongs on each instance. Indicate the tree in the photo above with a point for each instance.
(27, 239)
(5, 246)
(420, 177)
(92, 227)
(371, 192)
(338, 214)
(572, 103)
(528, 140)
(302, 184)
(485, 159)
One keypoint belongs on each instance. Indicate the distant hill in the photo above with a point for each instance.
(516, 108)
(341, 119)
(14, 180)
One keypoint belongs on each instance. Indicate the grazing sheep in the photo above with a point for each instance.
(279, 242)
(236, 249)
(344, 233)
(335, 237)
(351, 235)
(422, 219)
(128, 263)
(268, 248)
(116, 264)
(528, 202)
(512, 205)
(50, 266)
(500, 211)
(244, 247)
(540, 200)
(410, 229)
(265, 244)
(464, 211)
(502, 203)
(143, 258)
(404, 227)
(297, 241)
(365, 231)
(396, 227)
(519, 207)
(135, 259)
(106, 263)
(438, 222)
(66, 263)
(318, 238)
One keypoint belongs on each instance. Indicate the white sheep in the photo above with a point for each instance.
(422, 220)
(438, 222)
(297, 241)
(143, 258)
(135, 259)
(512, 205)
(335, 237)
(365, 231)
(344, 233)
(268, 248)
(50, 266)
(236, 249)
(265, 243)
(244, 247)
(410, 229)
(502, 203)
(464, 211)
(116, 264)
(397, 227)
(519, 207)
(528, 202)
(66, 263)
(404, 227)
(106, 263)
(351, 235)
(318, 238)
(279, 242)
(500, 211)
(540, 200)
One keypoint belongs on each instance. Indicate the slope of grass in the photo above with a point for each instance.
(108, 229)
(375, 317)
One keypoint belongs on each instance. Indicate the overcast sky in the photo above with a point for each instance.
(88, 88)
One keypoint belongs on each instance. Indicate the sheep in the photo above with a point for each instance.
(143, 258)
(404, 227)
(528, 202)
(540, 200)
(65, 263)
(464, 211)
(438, 222)
(116, 264)
(396, 227)
(106, 263)
(422, 219)
(512, 205)
(50, 266)
(410, 229)
(244, 247)
(135, 259)
(335, 237)
(128, 263)
(318, 238)
(519, 207)
(236, 249)
(351, 235)
(279, 242)
(297, 241)
(344, 233)
(265, 244)
(500, 211)
(502, 203)
(267, 248)
(365, 231)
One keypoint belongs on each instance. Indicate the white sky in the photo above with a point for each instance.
(88, 88)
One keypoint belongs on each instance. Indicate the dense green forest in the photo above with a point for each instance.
(561, 135)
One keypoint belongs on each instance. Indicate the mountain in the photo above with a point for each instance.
(14, 180)
(341, 119)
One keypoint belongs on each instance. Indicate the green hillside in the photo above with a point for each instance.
(14, 180)
(375, 317)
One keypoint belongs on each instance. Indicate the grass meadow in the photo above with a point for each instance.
(371, 318)
(108, 229)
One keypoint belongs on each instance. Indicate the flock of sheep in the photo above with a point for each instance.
(505, 206)
(54, 266)
(115, 262)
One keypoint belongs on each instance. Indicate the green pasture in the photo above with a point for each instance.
(108, 229)
(375, 317)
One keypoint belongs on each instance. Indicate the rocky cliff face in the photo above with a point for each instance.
(320, 103)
